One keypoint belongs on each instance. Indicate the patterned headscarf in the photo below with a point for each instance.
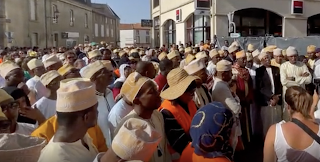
(210, 131)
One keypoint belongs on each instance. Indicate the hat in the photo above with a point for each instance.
(201, 55)
(134, 50)
(255, 53)
(194, 66)
(50, 60)
(291, 51)
(232, 48)
(2, 115)
(102, 42)
(262, 55)
(15, 147)
(75, 94)
(311, 49)
(6, 67)
(271, 47)
(284, 53)
(224, 65)
(162, 56)
(107, 64)
(141, 53)
(173, 54)
(4, 96)
(235, 43)
(34, 63)
(221, 53)
(249, 56)
(102, 48)
(115, 50)
(277, 52)
(132, 85)
(178, 81)
(240, 54)
(250, 47)
(189, 58)
(65, 69)
(33, 54)
(156, 66)
(268, 49)
(91, 69)
(121, 53)
(136, 140)
(48, 77)
(94, 53)
(188, 50)
(213, 53)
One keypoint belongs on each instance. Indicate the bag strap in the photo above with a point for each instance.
(306, 129)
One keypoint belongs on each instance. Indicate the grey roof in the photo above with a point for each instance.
(105, 9)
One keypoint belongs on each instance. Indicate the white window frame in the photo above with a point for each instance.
(33, 10)
(71, 17)
(86, 24)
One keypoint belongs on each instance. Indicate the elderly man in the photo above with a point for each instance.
(311, 50)
(293, 73)
(52, 62)
(277, 58)
(76, 113)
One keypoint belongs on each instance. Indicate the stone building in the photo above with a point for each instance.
(47, 23)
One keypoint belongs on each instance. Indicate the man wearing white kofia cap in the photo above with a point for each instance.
(52, 63)
(201, 95)
(102, 77)
(37, 89)
(76, 113)
(137, 140)
(221, 91)
(294, 72)
(277, 58)
(47, 104)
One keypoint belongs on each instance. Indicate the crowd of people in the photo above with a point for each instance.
(95, 103)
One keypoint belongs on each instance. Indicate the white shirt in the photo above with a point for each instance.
(119, 110)
(269, 71)
(35, 85)
(252, 72)
(46, 106)
(286, 153)
(103, 112)
(68, 152)
(25, 128)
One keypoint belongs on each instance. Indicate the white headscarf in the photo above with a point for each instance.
(122, 77)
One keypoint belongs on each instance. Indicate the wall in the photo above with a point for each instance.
(126, 38)
(143, 34)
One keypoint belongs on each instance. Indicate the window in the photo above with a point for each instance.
(111, 21)
(156, 31)
(147, 39)
(147, 32)
(86, 21)
(137, 32)
(107, 30)
(34, 39)
(71, 18)
(54, 14)
(169, 33)
(138, 40)
(198, 29)
(112, 33)
(96, 30)
(106, 20)
(155, 3)
(33, 9)
(102, 30)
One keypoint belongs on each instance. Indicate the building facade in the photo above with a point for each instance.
(49, 23)
(179, 21)
(134, 35)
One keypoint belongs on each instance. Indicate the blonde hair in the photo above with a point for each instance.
(299, 100)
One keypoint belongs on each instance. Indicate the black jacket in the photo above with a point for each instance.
(263, 85)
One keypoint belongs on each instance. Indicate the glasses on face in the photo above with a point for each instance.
(10, 106)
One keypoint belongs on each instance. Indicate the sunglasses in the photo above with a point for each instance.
(10, 106)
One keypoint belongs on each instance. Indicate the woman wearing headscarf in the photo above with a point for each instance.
(125, 71)
(178, 109)
(212, 132)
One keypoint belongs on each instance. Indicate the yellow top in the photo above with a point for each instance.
(49, 127)
(274, 63)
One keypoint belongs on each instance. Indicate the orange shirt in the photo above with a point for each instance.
(49, 127)
(188, 155)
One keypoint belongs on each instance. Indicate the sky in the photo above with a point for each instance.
(129, 11)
